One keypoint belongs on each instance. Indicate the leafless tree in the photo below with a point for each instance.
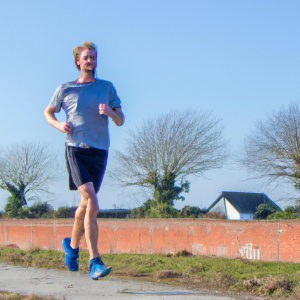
(272, 149)
(169, 148)
(27, 169)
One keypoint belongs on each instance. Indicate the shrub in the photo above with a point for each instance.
(183, 253)
(65, 212)
(15, 209)
(150, 209)
(264, 210)
(215, 215)
(288, 213)
(41, 210)
(191, 212)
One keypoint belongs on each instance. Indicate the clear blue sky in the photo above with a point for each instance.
(239, 59)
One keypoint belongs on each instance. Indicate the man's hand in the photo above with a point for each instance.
(116, 113)
(105, 110)
(65, 127)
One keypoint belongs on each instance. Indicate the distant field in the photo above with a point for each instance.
(224, 275)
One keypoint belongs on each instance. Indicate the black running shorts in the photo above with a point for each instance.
(85, 165)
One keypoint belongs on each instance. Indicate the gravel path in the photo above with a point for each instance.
(78, 286)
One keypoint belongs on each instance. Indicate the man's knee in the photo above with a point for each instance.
(93, 207)
(87, 190)
(93, 211)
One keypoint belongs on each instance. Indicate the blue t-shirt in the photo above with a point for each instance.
(80, 101)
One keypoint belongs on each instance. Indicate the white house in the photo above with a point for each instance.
(239, 205)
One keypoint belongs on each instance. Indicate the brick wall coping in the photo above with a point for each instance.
(67, 221)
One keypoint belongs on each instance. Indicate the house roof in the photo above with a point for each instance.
(245, 202)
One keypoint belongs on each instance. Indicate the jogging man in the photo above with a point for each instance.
(88, 103)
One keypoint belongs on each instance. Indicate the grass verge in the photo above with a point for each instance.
(224, 275)
(13, 296)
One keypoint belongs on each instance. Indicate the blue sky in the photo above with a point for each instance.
(238, 59)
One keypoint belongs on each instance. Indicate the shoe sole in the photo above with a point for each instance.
(103, 274)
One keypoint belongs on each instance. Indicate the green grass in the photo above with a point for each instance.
(234, 275)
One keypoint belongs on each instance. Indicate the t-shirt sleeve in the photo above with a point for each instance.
(56, 99)
(114, 101)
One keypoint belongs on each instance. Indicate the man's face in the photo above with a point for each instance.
(87, 60)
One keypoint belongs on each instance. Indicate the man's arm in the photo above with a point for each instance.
(64, 127)
(115, 114)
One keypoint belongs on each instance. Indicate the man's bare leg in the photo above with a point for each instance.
(78, 228)
(90, 220)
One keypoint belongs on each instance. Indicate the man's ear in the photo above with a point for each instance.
(78, 62)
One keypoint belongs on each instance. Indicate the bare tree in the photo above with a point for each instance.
(272, 149)
(169, 148)
(28, 169)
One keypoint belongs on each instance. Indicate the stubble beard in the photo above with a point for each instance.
(90, 72)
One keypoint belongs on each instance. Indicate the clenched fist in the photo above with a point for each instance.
(105, 110)
(115, 114)
(65, 127)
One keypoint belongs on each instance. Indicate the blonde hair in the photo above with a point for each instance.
(79, 49)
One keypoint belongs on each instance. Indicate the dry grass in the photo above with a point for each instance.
(13, 296)
(168, 274)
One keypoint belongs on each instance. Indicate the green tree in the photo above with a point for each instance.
(14, 203)
(263, 210)
(165, 189)
(164, 151)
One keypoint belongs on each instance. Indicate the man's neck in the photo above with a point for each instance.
(86, 76)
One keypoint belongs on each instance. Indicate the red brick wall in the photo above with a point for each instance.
(222, 238)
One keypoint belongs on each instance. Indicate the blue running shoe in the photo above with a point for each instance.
(98, 269)
(71, 256)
